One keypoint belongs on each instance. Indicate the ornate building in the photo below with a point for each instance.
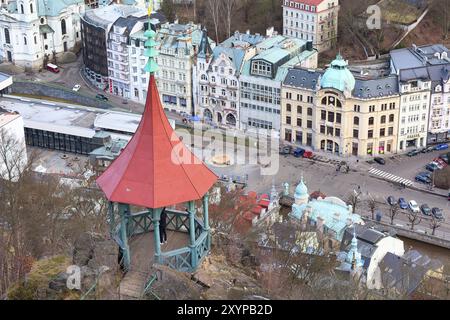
(34, 32)
(335, 111)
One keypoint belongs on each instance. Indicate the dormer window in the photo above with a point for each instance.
(262, 68)
(438, 88)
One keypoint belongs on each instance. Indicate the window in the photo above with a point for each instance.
(7, 38)
(310, 112)
(299, 122)
(45, 36)
(356, 121)
(370, 134)
(299, 109)
(288, 107)
(355, 133)
(356, 108)
(371, 121)
(391, 118)
(383, 119)
(371, 108)
(382, 132)
(309, 124)
(35, 40)
(31, 7)
(288, 120)
(391, 131)
(25, 40)
(337, 132)
(323, 115)
(331, 116)
(63, 27)
(338, 118)
(21, 9)
(322, 129)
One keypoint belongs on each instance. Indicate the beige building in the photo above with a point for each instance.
(334, 112)
(315, 20)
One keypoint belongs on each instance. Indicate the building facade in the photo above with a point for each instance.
(335, 112)
(315, 20)
(216, 77)
(261, 79)
(177, 46)
(95, 27)
(424, 74)
(34, 32)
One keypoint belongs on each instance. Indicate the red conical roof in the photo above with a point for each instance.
(149, 172)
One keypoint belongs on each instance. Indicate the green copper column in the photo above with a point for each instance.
(112, 221)
(124, 211)
(191, 209)
(157, 239)
(206, 218)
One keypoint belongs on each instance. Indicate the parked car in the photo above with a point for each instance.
(379, 160)
(427, 174)
(76, 87)
(441, 147)
(426, 210)
(391, 200)
(423, 179)
(432, 167)
(285, 149)
(52, 67)
(413, 153)
(101, 97)
(299, 152)
(413, 206)
(402, 203)
(428, 149)
(441, 162)
(444, 157)
(308, 154)
(437, 213)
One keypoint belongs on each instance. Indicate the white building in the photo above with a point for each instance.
(261, 79)
(178, 44)
(12, 145)
(315, 20)
(33, 32)
(423, 70)
(216, 77)
(439, 126)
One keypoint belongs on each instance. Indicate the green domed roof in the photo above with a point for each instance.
(338, 76)
(301, 191)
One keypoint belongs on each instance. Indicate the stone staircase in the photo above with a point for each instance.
(132, 285)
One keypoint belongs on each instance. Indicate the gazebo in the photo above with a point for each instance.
(157, 171)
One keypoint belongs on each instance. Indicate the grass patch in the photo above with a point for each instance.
(42, 272)
(47, 98)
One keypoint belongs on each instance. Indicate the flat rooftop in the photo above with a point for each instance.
(78, 121)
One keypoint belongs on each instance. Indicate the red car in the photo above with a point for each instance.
(308, 155)
(441, 162)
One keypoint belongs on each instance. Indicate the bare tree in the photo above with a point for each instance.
(394, 210)
(414, 218)
(372, 204)
(354, 199)
(434, 224)
(214, 7)
(229, 8)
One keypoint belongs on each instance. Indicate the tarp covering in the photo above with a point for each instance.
(156, 169)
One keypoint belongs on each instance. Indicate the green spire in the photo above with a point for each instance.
(150, 50)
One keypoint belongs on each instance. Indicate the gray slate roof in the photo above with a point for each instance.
(302, 78)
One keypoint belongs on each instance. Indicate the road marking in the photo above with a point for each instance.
(389, 176)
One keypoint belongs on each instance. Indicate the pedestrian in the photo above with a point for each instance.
(162, 227)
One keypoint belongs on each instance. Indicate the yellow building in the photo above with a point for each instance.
(334, 112)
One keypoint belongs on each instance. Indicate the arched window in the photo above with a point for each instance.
(356, 121)
(63, 26)
(7, 38)
(25, 40)
(21, 8)
(31, 7)
(391, 118)
(204, 78)
(324, 101)
(338, 103)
